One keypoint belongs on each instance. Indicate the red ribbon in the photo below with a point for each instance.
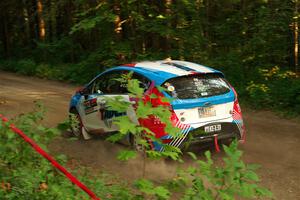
(216, 144)
(38, 149)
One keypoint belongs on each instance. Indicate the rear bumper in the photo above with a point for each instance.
(198, 135)
(228, 129)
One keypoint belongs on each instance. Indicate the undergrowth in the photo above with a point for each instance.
(24, 174)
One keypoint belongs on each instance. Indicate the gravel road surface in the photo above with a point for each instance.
(272, 142)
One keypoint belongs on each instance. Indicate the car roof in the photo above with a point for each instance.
(162, 70)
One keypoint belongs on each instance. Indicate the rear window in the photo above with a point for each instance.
(196, 86)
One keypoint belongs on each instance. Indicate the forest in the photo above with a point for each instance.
(254, 42)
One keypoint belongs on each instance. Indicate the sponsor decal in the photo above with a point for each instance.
(89, 111)
(107, 115)
(89, 106)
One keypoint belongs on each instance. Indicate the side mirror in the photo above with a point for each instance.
(85, 92)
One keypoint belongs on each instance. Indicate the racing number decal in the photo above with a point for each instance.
(89, 106)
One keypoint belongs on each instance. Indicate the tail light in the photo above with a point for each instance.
(153, 123)
(237, 117)
(235, 94)
(167, 141)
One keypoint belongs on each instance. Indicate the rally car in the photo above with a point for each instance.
(204, 105)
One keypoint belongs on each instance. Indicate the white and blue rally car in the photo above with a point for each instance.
(204, 105)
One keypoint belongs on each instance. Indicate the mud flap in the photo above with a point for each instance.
(243, 139)
(85, 134)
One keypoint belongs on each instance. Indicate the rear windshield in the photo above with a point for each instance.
(196, 86)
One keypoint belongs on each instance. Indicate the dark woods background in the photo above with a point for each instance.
(251, 41)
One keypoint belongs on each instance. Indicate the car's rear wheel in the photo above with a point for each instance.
(135, 142)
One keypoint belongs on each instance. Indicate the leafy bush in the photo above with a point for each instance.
(259, 93)
(233, 179)
(276, 89)
(26, 67)
(25, 174)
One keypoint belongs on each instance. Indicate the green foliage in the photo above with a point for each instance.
(126, 155)
(277, 89)
(24, 174)
(147, 187)
(233, 179)
(259, 93)
(85, 37)
(67, 72)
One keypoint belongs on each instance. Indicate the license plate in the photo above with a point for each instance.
(206, 112)
(212, 128)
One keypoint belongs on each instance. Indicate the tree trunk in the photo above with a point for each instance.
(26, 38)
(41, 22)
(296, 31)
(5, 35)
(168, 11)
(53, 11)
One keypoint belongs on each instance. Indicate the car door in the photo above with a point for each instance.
(94, 113)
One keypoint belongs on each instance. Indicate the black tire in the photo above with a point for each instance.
(134, 143)
(75, 123)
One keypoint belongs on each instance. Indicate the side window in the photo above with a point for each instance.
(144, 82)
(107, 84)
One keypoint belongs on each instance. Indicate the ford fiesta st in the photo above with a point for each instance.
(204, 105)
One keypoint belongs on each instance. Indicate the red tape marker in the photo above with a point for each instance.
(38, 149)
(216, 144)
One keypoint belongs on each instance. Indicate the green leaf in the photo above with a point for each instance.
(263, 192)
(247, 190)
(10, 134)
(162, 192)
(251, 175)
(147, 187)
(154, 154)
(225, 196)
(144, 185)
(63, 126)
(153, 96)
(192, 170)
(117, 103)
(134, 88)
(253, 166)
(126, 155)
(143, 110)
(125, 125)
(193, 156)
(115, 137)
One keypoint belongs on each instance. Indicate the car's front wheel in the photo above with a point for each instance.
(75, 124)
(77, 127)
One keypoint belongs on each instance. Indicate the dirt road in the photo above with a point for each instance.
(272, 142)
